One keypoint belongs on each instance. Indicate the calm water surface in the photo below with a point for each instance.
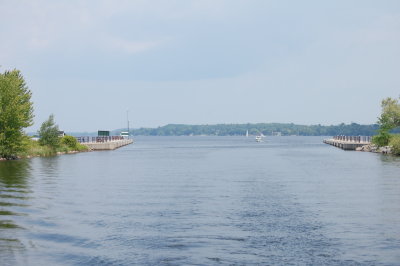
(202, 201)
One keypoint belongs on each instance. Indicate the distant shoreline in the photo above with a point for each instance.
(268, 129)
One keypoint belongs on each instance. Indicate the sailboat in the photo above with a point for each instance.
(259, 138)
(247, 134)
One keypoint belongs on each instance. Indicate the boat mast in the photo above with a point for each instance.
(127, 118)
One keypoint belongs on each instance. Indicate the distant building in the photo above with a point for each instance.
(61, 134)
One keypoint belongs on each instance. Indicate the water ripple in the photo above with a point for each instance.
(202, 201)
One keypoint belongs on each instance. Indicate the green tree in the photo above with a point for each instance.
(16, 113)
(389, 119)
(48, 133)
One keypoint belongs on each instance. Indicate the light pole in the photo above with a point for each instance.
(127, 118)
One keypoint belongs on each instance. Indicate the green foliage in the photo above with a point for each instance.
(35, 149)
(395, 143)
(69, 141)
(16, 113)
(390, 117)
(389, 120)
(80, 147)
(48, 133)
(382, 139)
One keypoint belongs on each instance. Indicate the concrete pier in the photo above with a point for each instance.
(109, 145)
(348, 143)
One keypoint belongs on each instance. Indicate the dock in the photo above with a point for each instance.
(104, 143)
(348, 143)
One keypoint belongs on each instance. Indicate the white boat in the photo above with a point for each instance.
(260, 137)
(124, 134)
(247, 134)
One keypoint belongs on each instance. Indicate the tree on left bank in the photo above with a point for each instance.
(16, 113)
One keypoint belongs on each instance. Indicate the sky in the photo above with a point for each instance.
(90, 63)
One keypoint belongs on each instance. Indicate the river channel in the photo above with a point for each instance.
(203, 201)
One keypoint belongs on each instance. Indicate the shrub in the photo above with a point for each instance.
(395, 143)
(80, 147)
(69, 141)
(382, 139)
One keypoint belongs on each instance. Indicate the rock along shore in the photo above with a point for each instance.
(375, 149)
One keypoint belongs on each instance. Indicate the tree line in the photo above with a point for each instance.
(283, 129)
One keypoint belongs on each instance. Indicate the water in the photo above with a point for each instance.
(202, 201)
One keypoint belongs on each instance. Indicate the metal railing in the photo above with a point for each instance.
(355, 139)
(87, 139)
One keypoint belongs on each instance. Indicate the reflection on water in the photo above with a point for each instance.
(14, 192)
(202, 201)
(390, 159)
(26, 189)
(14, 175)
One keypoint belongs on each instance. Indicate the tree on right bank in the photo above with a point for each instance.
(388, 121)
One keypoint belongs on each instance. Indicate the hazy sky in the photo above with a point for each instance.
(203, 62)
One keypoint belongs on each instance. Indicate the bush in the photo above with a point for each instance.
(80, 147)
(382, 139)
(395, 143)
(69, 141)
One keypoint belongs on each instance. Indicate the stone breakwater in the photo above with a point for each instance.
(348, 145)
(357, 143)
(376, 149)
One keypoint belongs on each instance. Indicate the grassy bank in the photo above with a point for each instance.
(67, 145)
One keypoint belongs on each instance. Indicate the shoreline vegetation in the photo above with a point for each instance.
(392, 148)
(388, 121)
(34, 149)
(67, 145)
